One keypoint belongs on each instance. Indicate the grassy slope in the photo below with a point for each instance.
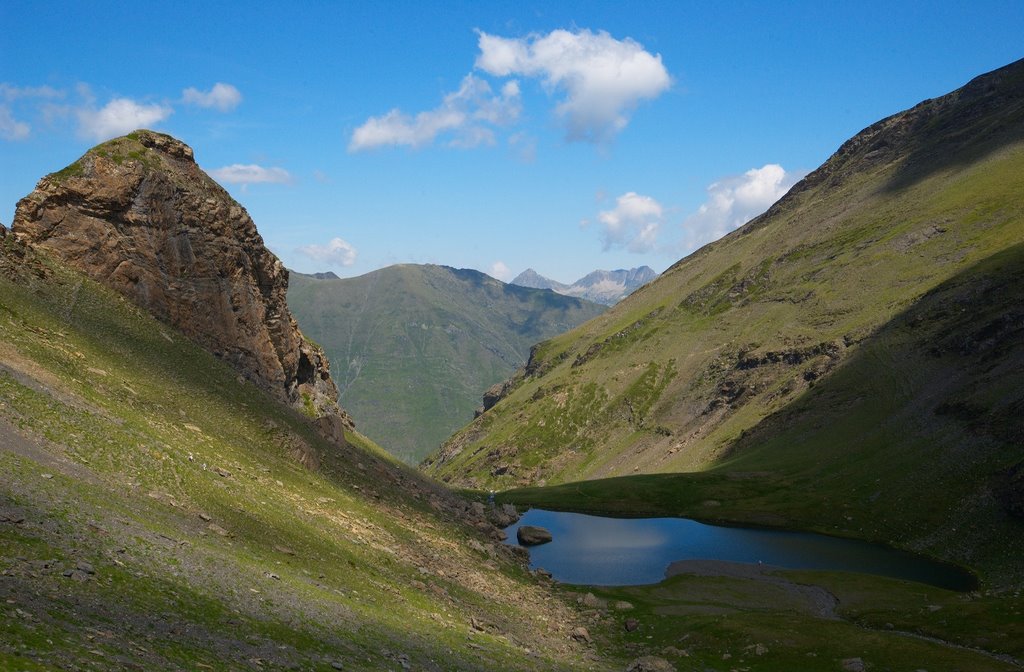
(734, 623)
(126, 447)
(914, 440)
(415, 346)
(651, 380)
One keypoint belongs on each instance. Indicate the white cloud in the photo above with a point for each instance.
(11, 128)
(119, 116)
(632, 224)
(223, 97)
(337, 252)
(252, 173)
(463, 112)
(603, 78)
(500, 271)
(735, 200)
(9, 93)
(31, 100)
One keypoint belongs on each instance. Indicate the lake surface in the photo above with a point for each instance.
(599, 551)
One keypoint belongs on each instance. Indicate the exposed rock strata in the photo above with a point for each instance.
(138, 214)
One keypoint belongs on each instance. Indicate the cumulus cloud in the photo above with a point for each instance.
(468, 113)
(603, 79)
(252, 173)
(500, 271)
(633, 223)
(337, 252)
(119, 116)
(11, 128)
(223, 97)
(735, 200)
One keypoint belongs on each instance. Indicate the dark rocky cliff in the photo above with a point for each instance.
(139, 215)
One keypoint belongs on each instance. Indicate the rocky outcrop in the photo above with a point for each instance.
(139, 215)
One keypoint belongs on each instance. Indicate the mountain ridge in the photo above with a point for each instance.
(605, 287)
(429, 339)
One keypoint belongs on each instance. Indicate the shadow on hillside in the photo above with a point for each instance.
(958, 129)
(937, 392)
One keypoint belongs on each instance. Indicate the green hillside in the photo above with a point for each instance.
(159, 513)
(849, 361)
(414, 347)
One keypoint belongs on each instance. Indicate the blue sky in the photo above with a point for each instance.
(563, 136)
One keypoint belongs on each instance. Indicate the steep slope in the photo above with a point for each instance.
(415, 346)
(704, 367)
(159, 513)
(138, 214)
(606, 287)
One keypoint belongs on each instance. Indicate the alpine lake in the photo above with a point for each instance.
(603, 551)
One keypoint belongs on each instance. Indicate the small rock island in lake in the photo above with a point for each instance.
(530, 535)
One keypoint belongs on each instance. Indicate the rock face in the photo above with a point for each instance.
(139, 215)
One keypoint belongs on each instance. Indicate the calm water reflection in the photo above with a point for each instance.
(601, 551)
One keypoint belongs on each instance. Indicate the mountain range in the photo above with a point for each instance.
(859, 343)
(415, 346)
(606, 287)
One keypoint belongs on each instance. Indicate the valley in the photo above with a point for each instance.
(415, 346)
(161, 509)
(814, 368)
(192, 475)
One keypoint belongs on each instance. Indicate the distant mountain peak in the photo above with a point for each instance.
(534, 280)
(606, 287)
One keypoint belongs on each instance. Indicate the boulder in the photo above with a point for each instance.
(853, 665)
(650, 664)
(581, 635)
(531, 535)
